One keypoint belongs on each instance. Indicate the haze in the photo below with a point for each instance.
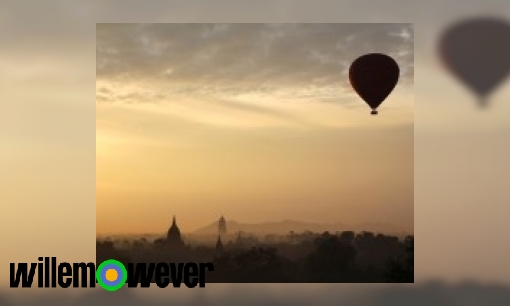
(255, 122)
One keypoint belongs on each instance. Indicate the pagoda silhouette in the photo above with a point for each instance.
(173, 237)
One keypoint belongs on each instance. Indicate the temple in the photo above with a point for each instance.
(219, 246)
(222, 226)
(173, 237)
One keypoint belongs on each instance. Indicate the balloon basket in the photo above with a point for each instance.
(374, 112)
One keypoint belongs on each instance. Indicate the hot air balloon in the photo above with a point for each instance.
(374, 76)
(476, 51)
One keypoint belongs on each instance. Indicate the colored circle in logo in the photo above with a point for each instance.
(111, 275)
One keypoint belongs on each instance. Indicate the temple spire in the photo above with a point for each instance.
(174, 234)
(219, 245)
(222, 226)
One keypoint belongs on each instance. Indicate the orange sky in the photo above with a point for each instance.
(255, 122)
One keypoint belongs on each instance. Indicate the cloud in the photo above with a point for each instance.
(291, 62)
(263, 110)
(253, 53)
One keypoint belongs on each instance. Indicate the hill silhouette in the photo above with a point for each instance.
(286, 226)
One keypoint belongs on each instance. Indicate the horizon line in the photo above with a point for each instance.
(399, 229)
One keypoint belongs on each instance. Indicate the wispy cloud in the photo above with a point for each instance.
(290, 61)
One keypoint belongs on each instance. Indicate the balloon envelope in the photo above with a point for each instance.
(374, 76)
(477, 51)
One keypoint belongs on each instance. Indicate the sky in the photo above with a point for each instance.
(257, 122)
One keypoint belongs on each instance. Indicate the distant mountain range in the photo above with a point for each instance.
(284, 227)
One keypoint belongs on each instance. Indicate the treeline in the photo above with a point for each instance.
(322, 258)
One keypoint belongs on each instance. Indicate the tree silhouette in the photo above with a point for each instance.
(258, 265)
(310, 257)
(347, 236)
(402, 271)
(106, 250)
(330, 261)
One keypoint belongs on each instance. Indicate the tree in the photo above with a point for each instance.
(402, 271)
(258, 265)
(347, 236)
(331, 260)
